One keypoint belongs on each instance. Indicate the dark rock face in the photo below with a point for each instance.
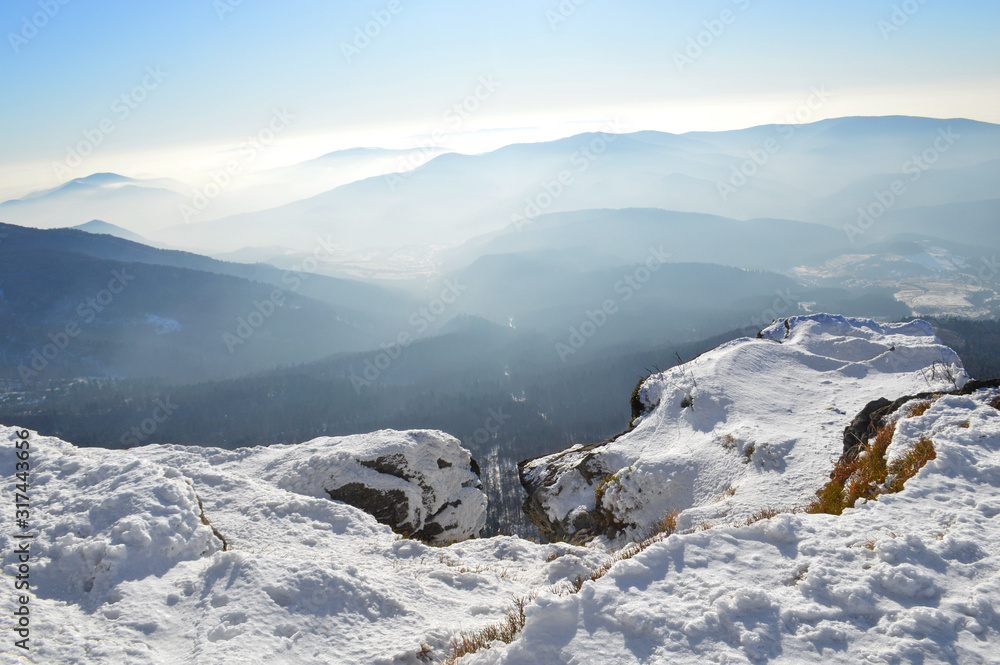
(390, 507)
(866, 424)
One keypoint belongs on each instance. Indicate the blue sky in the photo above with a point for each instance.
(559, 68)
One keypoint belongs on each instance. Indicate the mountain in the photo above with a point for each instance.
(612, 237)
(250, 191)
(171, 554)
(98, 227)
(810, 172)
(74, 304)
(299, 276)
(139, 205)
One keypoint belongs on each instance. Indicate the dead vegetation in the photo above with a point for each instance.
(868, 475)
(506, 630)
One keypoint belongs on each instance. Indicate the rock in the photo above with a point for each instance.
(747, 423)
(423, 484)
(867, 423)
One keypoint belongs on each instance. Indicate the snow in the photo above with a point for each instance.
(126, 570)
(913, 577)
(766, 419)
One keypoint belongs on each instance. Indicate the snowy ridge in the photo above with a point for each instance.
(753, 423)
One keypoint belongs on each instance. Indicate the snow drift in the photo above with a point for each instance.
(127, 566)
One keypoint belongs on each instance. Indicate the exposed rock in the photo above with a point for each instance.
(867, 423)
(423, 484)
(752, 423)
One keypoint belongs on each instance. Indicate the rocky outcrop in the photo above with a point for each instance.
(548, 476)
(867, 423)
(751, 424)
(423, 484)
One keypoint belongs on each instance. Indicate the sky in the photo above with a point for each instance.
(174, 87)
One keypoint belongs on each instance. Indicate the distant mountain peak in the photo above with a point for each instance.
(100, 227)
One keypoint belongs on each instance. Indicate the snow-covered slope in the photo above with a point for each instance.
(126, 570)
(913, 577)
(753, 423)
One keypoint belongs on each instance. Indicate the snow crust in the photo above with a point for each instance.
(913, 577)
(126, 572)
(766, 418)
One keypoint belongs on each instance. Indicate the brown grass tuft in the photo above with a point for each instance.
(996, 403)
(907, 466)
(763, 514)
(506, 631)
(867, 475)
(918, 409)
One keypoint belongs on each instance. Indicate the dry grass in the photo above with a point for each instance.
(657, 532)
(764, 514)
(506, 631)
(730, 491)
(728, 441)
(868, 475)
(907, 466)
(918, 409)
(996, 404)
